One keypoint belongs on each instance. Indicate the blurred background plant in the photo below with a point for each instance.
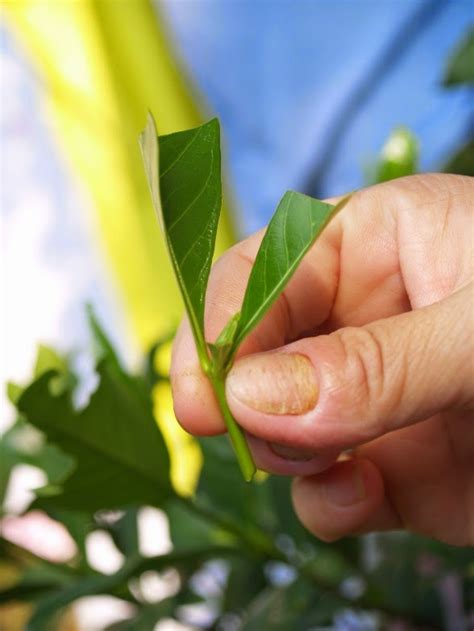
(156, 540)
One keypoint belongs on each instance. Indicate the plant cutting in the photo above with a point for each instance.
(183, 172)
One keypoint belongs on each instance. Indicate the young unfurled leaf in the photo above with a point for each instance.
(183, 172)
(294, 227)
(187, 198)
(223, 345)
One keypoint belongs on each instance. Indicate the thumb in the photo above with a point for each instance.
(343, 389)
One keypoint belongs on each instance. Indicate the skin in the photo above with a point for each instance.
(380, 315)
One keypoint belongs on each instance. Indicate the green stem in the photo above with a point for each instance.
(237, 436)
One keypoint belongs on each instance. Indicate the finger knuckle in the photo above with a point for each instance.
(363, 375)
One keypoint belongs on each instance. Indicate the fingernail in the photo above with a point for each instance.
(296, 455)
(344, 487)
(274, 383)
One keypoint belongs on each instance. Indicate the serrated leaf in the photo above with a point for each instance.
(103, 346)
(120, 453)
(187, 200)
(22, 443)
(294, 227)
(14, 391)
(460, 67)
(48, 359)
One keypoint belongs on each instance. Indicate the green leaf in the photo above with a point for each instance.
(190, 531)
(37, 581)
(124, 531)
(294, 227)
(460, 66)
(79, 524)
(399, 156)
(103, 346)
(462, 162)
(22, 443)
(224, 510)
(120, 453)
(150, 373)
(13, 392)
(48, 359)
(408, 574)
(284, 519)
(222, 489)
(187, 200)
(246, 578)
(8, 460)
(51, 605)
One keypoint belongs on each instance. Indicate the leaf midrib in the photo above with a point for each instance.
(257, 314)
(194, 317)
(181, 154)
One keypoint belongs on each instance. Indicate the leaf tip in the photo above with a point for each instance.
(150, 121)
(149, 132)
(344, 200)
(214, 126)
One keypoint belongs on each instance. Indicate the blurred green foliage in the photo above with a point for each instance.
(460, 66)
(272, 574)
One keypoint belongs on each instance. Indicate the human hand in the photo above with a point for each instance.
(369, 348)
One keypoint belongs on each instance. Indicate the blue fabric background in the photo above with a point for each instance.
(281, 76)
